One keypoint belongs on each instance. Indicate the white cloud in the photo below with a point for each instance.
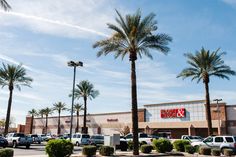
(72, 18)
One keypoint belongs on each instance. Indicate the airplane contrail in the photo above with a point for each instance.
(54, 22)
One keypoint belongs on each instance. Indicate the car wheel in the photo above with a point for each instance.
(27, 146)
(14, 144)
(39, 142)
(77, 143)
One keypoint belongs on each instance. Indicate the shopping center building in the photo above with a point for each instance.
(165, 119)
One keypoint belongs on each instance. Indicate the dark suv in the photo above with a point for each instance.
(96, 139)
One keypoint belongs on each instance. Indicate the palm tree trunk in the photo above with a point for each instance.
(208, 109)
(84, 130)
(46, 127)
(77, 124)
(8, 110)
(134, 109)
(59, 124)
(31, 124)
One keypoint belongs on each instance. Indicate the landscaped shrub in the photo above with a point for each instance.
(130, 145)
(59, 148)
(205, 150)
(228, 152)
(179, 145)
(89, 150)
(106, 150)
(196, 149)
(189, 149)
(215, 152)
(162, 145)
(142, 143)
(6, 152)
(146, 148)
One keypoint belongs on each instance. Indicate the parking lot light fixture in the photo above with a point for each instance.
(74, 65)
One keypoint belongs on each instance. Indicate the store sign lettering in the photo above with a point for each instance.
(173, 113)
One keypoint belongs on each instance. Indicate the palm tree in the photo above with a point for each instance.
(59, 107)
(134, 36)
(33, 113)
(202, 65)
(41, 113)
(5, 5)
(47, 111)
(77, 108)
(13, 76)
(86, 90)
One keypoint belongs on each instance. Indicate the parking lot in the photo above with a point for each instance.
(37, 149)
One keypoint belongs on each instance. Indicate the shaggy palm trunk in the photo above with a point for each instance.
(8, 110)
(208, 108)
(31, 124)
(77, 122)
(134, 109)
(85, 130)
(59, 123)
(46, 127)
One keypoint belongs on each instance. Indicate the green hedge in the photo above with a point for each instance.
(146, 148)
(130, 145)
(215, 152)
(6, 152)
(189, 149)
(204, 150)
(162, 145)
(179, 145)
(59, 148)
(106, 150)
(89, 150)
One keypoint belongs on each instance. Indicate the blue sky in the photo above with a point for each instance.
(44, 35)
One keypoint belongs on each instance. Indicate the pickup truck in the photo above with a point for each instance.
(18, 139)
(142, 137)
(191, 138)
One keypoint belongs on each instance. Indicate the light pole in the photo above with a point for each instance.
(218, 114)
(74, 65)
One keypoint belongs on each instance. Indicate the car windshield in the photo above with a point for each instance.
(143, 135)
(85, 136)
(97, 137)
(19, 135)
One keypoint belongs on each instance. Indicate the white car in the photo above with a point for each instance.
(142, 137)
(222, 142)
(191, 138)
(80, 139)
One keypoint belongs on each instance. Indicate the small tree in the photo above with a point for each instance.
(59, 107)
(33, 113)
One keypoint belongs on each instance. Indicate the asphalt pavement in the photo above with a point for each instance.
(36, 150)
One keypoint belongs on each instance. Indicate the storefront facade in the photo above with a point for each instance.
(166, 119)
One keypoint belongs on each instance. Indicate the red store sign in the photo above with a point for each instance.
(173, 113)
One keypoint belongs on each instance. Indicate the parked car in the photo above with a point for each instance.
(96, 139)
(3, 142)
(141, 136)
(123, 146)
(80, 139)
(35, 138)
(222, 142)
(18, 139)
(43, 137)
(192, 138)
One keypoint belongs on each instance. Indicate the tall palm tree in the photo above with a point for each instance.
(33, 113)
(13, 76)
(85, 90)
(77, 108)
(41, 113)
(202, 65)
(47, 111)
(134, 36)
(5, 5)
(59, 107)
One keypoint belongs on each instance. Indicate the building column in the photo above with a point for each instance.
(191, 130)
